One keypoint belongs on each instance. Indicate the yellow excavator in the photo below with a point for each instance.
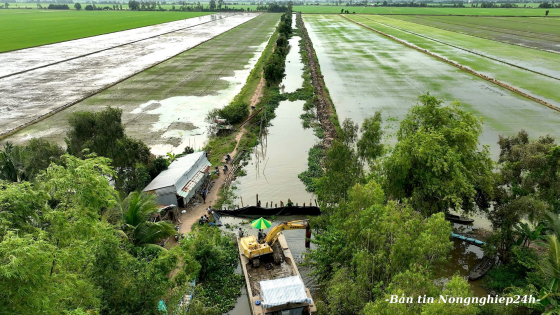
(253, 248)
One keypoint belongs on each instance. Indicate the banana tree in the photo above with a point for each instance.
(526, 234)
(550, 268)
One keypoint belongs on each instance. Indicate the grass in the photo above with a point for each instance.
(536, 84)
(27, 28)
(366, 72)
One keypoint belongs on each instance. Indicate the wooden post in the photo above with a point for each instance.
(307, 236)
(267, 204)
(257, 200)
(241, 201)
(304, 204)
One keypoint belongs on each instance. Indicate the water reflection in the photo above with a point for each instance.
(274, 166)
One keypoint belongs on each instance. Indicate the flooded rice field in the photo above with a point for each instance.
(165, 106)
(33, 94)
(532, 71)
(537, 60)
(535, 32)
(36, 57)
(366, 72)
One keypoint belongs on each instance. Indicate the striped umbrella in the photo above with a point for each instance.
(261, 223)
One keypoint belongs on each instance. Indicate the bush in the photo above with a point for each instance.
(235, 112)
(58, 7)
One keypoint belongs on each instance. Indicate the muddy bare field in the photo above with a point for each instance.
(165, 105)
(33, 94)
(31, 58)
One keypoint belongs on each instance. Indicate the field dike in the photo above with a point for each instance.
(478, 36)
(467, 69)
(323, 103)
(8, 133)
(465, 49)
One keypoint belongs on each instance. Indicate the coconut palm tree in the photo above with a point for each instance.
(550, 268)
(136, 209)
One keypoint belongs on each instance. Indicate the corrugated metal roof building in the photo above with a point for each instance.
(180, 180)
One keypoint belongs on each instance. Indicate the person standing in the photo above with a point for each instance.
(204, 195)
(240, 232)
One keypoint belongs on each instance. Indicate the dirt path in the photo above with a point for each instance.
(194, 213)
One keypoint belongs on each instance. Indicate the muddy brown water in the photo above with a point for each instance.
(293, 79)
(275, 163)
(272, 173)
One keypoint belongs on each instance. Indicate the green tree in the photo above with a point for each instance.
(12, 163)
(78, 6)
(39, 154)
(437, 162)
(369, 146)
(103, 133)
(527, 185)
(136, 209)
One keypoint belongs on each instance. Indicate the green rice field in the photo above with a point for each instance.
(27, 28)
(365, 72)
(536, 32)
(537, 84)
(201, 78)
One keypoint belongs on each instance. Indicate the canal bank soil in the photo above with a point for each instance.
(165, 106)
(323, 104)
(366, 72)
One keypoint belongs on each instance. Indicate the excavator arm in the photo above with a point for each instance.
(275, 231)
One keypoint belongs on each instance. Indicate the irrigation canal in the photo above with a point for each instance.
(272, 173)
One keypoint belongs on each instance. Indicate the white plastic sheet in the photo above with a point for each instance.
(283, 291)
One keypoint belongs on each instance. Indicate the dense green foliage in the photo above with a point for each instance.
(218, 257)
(437, 162)
(235, 112)
(383, 232)
(24, 163)
(274, 67)
(59, 254)
(103, 133)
